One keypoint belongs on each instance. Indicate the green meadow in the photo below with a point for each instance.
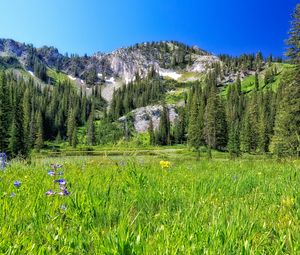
(120, 204)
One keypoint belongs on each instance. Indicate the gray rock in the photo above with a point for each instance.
(142, 117)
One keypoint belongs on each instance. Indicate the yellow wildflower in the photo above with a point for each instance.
(164, 164)
(288, 202)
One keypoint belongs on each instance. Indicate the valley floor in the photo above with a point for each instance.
(129, 204)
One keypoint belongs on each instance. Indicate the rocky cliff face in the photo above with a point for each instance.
(124, 63)
(141, 117)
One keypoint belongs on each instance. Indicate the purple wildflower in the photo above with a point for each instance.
(51, 173)
(49, 193)
(66, 193)
(61, 182)
(17, 184)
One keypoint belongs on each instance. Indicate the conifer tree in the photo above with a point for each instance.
(215, 130)
(164, 127)
(4, 112)
(17, 145)
(286, 139)
(26, 117)
(239, 84)
(91, 138)
(234, 110)
(293, 51)
(71, 126)
(256, 81)
(151, 131)
(195, 137)
(74, 141)
(179, 127)
(39, 141)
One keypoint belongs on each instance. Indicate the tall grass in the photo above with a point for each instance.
(132, 206)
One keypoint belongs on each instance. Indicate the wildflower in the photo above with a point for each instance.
(17, 184)
(50, 192)
(164, 164)
(51, 173)
(63, 207)
(288, 202)
(66, 193)
(61, 182)
(63, 193)
(13, 194)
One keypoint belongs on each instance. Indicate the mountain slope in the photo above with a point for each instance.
(167, 58)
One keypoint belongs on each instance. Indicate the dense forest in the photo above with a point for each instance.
(258, 121)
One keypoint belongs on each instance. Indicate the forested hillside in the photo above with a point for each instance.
(244, 104)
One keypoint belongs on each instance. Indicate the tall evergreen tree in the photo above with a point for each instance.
(151, 131)
(26, 117)
(39, 141)
(164, 127)
(17, 145)
(195, 131)
(71, 126)
(91, 138)
(4, 112)
(293, 51)
(286, 139)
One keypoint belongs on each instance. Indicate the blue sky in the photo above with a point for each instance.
(87, 26)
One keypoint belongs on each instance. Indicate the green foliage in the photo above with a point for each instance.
(286, 140)
(119, 205)
(39, 142)
(91, 139)
(163, 134)
(9, 62)
(293, 51)
(136, 94)
(108, 132)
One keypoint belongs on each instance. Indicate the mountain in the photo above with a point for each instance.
(168, 58)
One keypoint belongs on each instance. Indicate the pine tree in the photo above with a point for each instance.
(26, 117)
(39, 141)
(234, 105)
(215, 130)
(17, 145)
(293, 51)
(91, 139)
(151, 131)
(74, 141)
(256, 81)
(179, 127)
(71, 125)
(286, 139)
(195, 137)
(4, 112)
(239, 84)
(164, 127)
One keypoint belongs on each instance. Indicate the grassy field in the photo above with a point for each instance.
(130, 205)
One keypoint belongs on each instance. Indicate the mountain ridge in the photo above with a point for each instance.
(124, 63)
